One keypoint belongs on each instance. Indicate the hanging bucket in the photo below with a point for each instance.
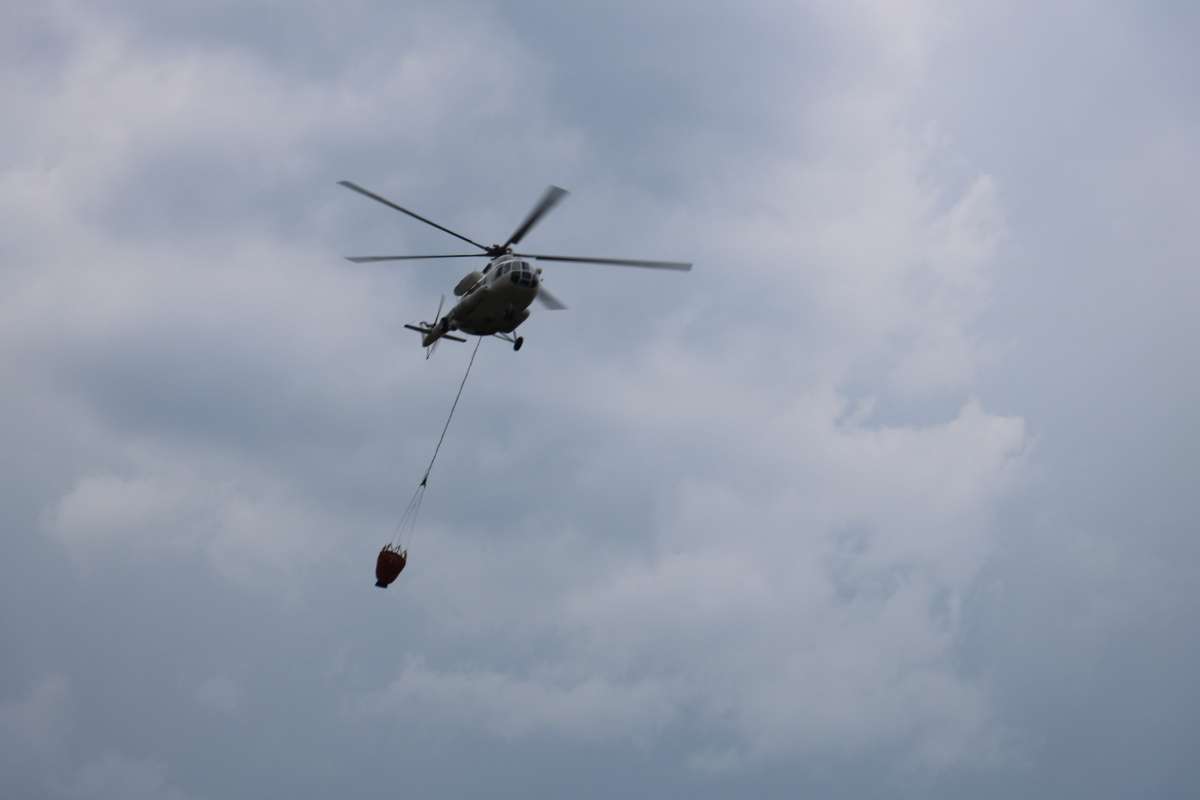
(389, 565)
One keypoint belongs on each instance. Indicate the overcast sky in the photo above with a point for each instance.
(893, 495)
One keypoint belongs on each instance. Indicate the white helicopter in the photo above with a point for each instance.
(496, 300)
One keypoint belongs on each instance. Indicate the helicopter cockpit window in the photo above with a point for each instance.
(522, 275)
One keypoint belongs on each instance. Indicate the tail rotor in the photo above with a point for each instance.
(437, 318)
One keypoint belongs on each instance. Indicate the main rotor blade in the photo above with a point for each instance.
(683, 266)
(354, 187)
(549, 200)
(370, 259)
(549, 301)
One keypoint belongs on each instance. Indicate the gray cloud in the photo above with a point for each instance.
(890, 494)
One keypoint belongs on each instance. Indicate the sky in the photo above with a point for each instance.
(893, 495)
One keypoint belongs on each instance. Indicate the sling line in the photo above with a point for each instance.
(450, 416)
(408, 520)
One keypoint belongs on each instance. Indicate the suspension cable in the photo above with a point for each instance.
(450, 416)
(406, 527)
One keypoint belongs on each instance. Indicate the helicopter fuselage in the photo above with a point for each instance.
(497, 302)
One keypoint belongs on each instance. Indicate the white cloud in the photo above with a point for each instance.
(103, 507)
(252, 527)
(803, 600)
(787, 611)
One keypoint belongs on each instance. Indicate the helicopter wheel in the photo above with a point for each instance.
(517, 344)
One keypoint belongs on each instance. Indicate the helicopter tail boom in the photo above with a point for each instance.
(425, 330)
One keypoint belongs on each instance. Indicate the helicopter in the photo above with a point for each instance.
(494, 301)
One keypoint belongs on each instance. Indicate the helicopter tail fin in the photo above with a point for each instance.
(431, 332)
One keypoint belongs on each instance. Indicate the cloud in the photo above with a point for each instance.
(510, 706)
(747, 520)
(207, 323)
(819, 550)
(247, 525)
(806, 543)
(38, 735)
(783, 616)
(786, 610)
